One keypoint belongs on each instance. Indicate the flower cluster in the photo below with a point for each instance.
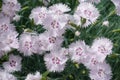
(9, 39)
(55, 20)
(90, 14)
(8, 34)
(93, 57)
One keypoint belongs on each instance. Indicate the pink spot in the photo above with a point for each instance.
(56, 60)
(42, 15)
(59, 12)
(40, 43)
(94, 61)
(79, 51)
(102, 49)
(52, 39)
(28, 45)
(12, 63)
(4, 27)
(87, 12)
(100, 72)
(55, 24)
(11, 4)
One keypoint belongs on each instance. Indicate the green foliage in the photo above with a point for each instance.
(0, 4)
(72, 71)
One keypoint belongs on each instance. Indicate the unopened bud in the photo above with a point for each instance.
(106, 23)
(77, 33)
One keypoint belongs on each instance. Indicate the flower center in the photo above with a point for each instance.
(42, 15)
(54, 24)
(10, 41)
(79, 51)
(12, 63)
(52, 39)
(87, 12)
(28, 45)
(40, 43)
(59, 12)
(94, 61)
(102, 49)
(55, 60)
(11, 4)
(100, 72)
(4, 27)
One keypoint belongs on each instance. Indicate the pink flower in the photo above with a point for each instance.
(14, 64)
(102, 47)
(9, 41)
(6, 76)
(36, 76)
(91, 60)
(5, 25)
(38, 14)
(55, 61)
(26, 44)
(47, 42)
(87, 11)
(102, 71)
(78, 51)
(10, 7)
(55, 24)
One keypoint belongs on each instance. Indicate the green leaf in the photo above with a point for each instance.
(116, 30)
(0, 4)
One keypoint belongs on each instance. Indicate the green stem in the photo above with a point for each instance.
(44, 75)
